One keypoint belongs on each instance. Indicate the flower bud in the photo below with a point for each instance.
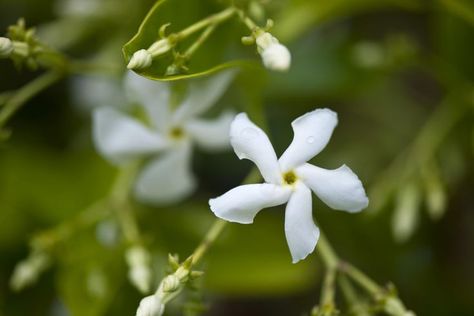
(6, 47)
(160, 47)
(139, 273)
(27, 272)
(150, 306)
(275, 56)
(140, 59)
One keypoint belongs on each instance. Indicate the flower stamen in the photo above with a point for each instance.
(290, 177)
(176, 133)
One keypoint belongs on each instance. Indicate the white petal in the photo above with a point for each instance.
(211, 134)
(340, 189)
(250, 142)
(312, 132)
(154, 96)
(203, 94)
(242, 203)
(120, 138)
(300, 230)
(166, 179)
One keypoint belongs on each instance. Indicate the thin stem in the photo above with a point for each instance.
(247, 21)
(328, 290)
(347, 290)
(212, 19)
(202, 38)
(21, 96)
(211, 236)
(120, 202)
(328, 255)
(361, 278)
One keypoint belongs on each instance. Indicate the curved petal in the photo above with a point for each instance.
(312, 132)
(300, 230)
(203, 94)
(250, 142)
(340, 188)
(154, 96)
(120, 138)
(242, 203)
(211, 134)
(166, 179)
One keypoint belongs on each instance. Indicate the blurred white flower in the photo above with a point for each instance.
(275, 56)
(168, 139)
(151, 306)
(289, 179)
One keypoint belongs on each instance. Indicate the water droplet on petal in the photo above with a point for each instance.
(249, 133)
(310, 140)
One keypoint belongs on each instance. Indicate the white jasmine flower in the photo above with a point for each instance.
(290, 179)
(151, 306)
(168, 139)
(275, 56)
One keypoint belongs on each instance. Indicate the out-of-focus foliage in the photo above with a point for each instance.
(400, 75)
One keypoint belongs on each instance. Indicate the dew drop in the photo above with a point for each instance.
(310, 140)
(249, 133)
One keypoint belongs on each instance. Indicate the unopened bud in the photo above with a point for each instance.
(140, 59)
(405, 216)
(139, 273)
(160, 47)
(6, 47)
(275, 56)
(27, 272)
(150, 306)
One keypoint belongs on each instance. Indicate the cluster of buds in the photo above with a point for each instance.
(143, 58)
(170, 286)
(389, 302)
(140, 275)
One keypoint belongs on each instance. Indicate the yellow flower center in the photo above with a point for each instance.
(176, 133)
(290, 177)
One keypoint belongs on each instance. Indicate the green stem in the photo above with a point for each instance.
(328, 289)
(212, 19)
(328, 255)
(202, 38)
(247, 21)
(119, 198)
(211, 236)
(21, 96)
(361, 278)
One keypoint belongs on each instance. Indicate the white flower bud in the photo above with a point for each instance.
(6, 47)
(139, 273)
(140, 59)
(275, 56)
(160, 47)
(150, 306)
(27, 272)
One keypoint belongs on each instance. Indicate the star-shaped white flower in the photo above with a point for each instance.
(167, 139)
(290, 179)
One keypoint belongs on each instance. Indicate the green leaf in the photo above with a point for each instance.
(213, 55)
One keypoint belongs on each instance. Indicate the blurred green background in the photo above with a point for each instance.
(399, 74)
